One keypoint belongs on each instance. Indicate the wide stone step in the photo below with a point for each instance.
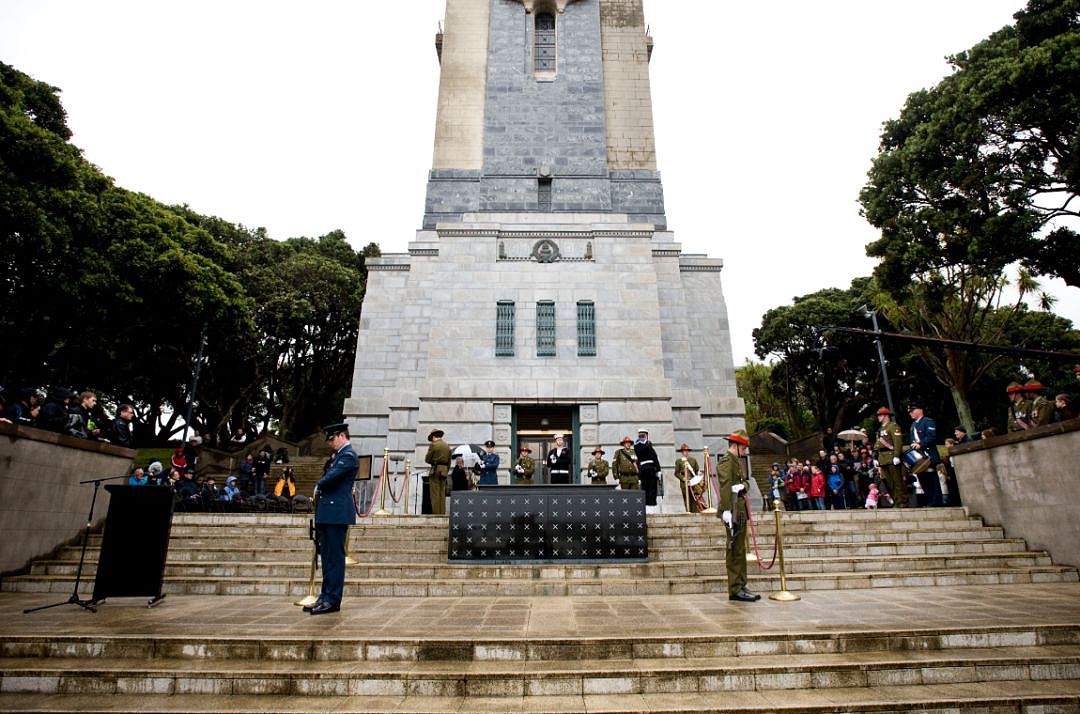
(296, 648)
(1002, 696)
(379, 587)
(663, 569)
(539, 678)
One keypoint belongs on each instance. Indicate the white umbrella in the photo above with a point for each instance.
(851, 435)
(470, 454)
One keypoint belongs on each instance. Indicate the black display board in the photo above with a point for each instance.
(136, 542)
(547, 524)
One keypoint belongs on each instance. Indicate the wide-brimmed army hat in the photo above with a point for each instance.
(598, 450)
(739, 436)
(436, 432)
(884, 411)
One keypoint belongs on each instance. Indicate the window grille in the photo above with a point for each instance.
(586, 329)
(545, 329)
(504, 329)
(544, 43)
(543, 194)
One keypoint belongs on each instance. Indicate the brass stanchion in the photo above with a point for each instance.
(709, 482)
(310, 598)
(408, 477)
(751, 556)
(382, 486)
(784, 595)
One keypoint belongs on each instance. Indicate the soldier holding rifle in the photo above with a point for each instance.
(733, 486)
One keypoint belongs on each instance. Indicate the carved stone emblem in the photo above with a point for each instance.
(545, 251)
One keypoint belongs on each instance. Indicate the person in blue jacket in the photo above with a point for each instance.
(334, 514)
(489, 470)
(924, 439)
(834, 482)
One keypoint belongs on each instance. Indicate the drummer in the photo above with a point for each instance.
(686, 470)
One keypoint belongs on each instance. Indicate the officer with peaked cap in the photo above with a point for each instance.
(333, 516)
(732, 485)
(438, 456)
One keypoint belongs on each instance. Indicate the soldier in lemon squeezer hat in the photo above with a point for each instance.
(524, 467)
(686, 468)
(438, 456)
(1019, 408)
(732, 485)
(625, 467)
(889, 445)
(1041, 410)
(597, 469)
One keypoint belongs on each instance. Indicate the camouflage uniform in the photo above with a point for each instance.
(524, 477)
(438, 455)
(625, 467)
(681, 465)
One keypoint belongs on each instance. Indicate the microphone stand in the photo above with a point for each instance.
(75, 599)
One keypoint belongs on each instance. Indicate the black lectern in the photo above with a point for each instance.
(135, 544)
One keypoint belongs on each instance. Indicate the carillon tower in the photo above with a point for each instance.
(543, 293)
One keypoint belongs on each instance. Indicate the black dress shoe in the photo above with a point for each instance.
(744, 595)
(321, 608)
(309, 608)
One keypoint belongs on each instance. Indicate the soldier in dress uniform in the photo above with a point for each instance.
(559, 461)
(648, 466)
(1019, 408)
(525, 467)
(890, 444)
(625, 465)
(686, 468)
(598, 468)
(438, 456)
(489, 468)
(333, 516)
(1042, 409)
(733, 487)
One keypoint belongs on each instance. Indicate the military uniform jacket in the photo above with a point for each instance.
(335, 489)
(924, 431)
(598, 469)
(1042, 411)
(680, 468)
(890, 441)
(625, 463)
(528, 467)
(1020, 415)
(728, 473)
(438, 455)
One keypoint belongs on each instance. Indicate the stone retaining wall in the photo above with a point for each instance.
(42, 503)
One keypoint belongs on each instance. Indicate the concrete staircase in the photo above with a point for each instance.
(902, 610)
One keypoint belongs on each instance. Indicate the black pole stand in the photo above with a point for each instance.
(74, 599)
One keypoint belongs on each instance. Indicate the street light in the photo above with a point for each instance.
(872, 314)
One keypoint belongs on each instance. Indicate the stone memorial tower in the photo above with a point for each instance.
(544, 293)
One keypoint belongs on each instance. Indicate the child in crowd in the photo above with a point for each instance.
(872, 497)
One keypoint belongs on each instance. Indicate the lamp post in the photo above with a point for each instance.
(195, 379)
(872, 314)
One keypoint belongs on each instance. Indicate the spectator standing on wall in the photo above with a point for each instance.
(121, 427)
(260, 470)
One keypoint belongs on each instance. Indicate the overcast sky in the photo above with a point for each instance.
(306, 117)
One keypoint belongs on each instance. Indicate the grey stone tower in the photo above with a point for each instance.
(543, 292)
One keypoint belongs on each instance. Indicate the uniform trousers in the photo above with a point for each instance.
(736, 553)
(332, 548)
(648, 483)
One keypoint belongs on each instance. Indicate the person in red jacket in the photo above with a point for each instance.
(817, 488)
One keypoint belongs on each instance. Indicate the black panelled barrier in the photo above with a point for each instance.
(548, 524)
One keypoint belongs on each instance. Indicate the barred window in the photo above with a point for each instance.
(504, 329)
(545, 329)
(586, 329)
(544, 42)
(543, 194)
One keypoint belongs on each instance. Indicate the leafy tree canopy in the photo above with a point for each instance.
(984, 168)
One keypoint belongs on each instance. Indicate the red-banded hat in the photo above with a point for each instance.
(525, 447)
(1013, 388)
(739, 436)
(626, 440)
(1033, 385)
(884, 411)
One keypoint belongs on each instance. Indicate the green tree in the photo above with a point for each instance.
(767, 405)
(983, 170)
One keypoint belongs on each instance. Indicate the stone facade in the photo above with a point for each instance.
(544, 189)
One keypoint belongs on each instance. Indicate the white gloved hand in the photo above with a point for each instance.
(520, 469)
(737, 488)
(895, 461)
(726, 518)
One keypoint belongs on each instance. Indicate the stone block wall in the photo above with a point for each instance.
(42, 503)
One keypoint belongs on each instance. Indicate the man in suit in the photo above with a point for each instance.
(334, 514)
(924, 439)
